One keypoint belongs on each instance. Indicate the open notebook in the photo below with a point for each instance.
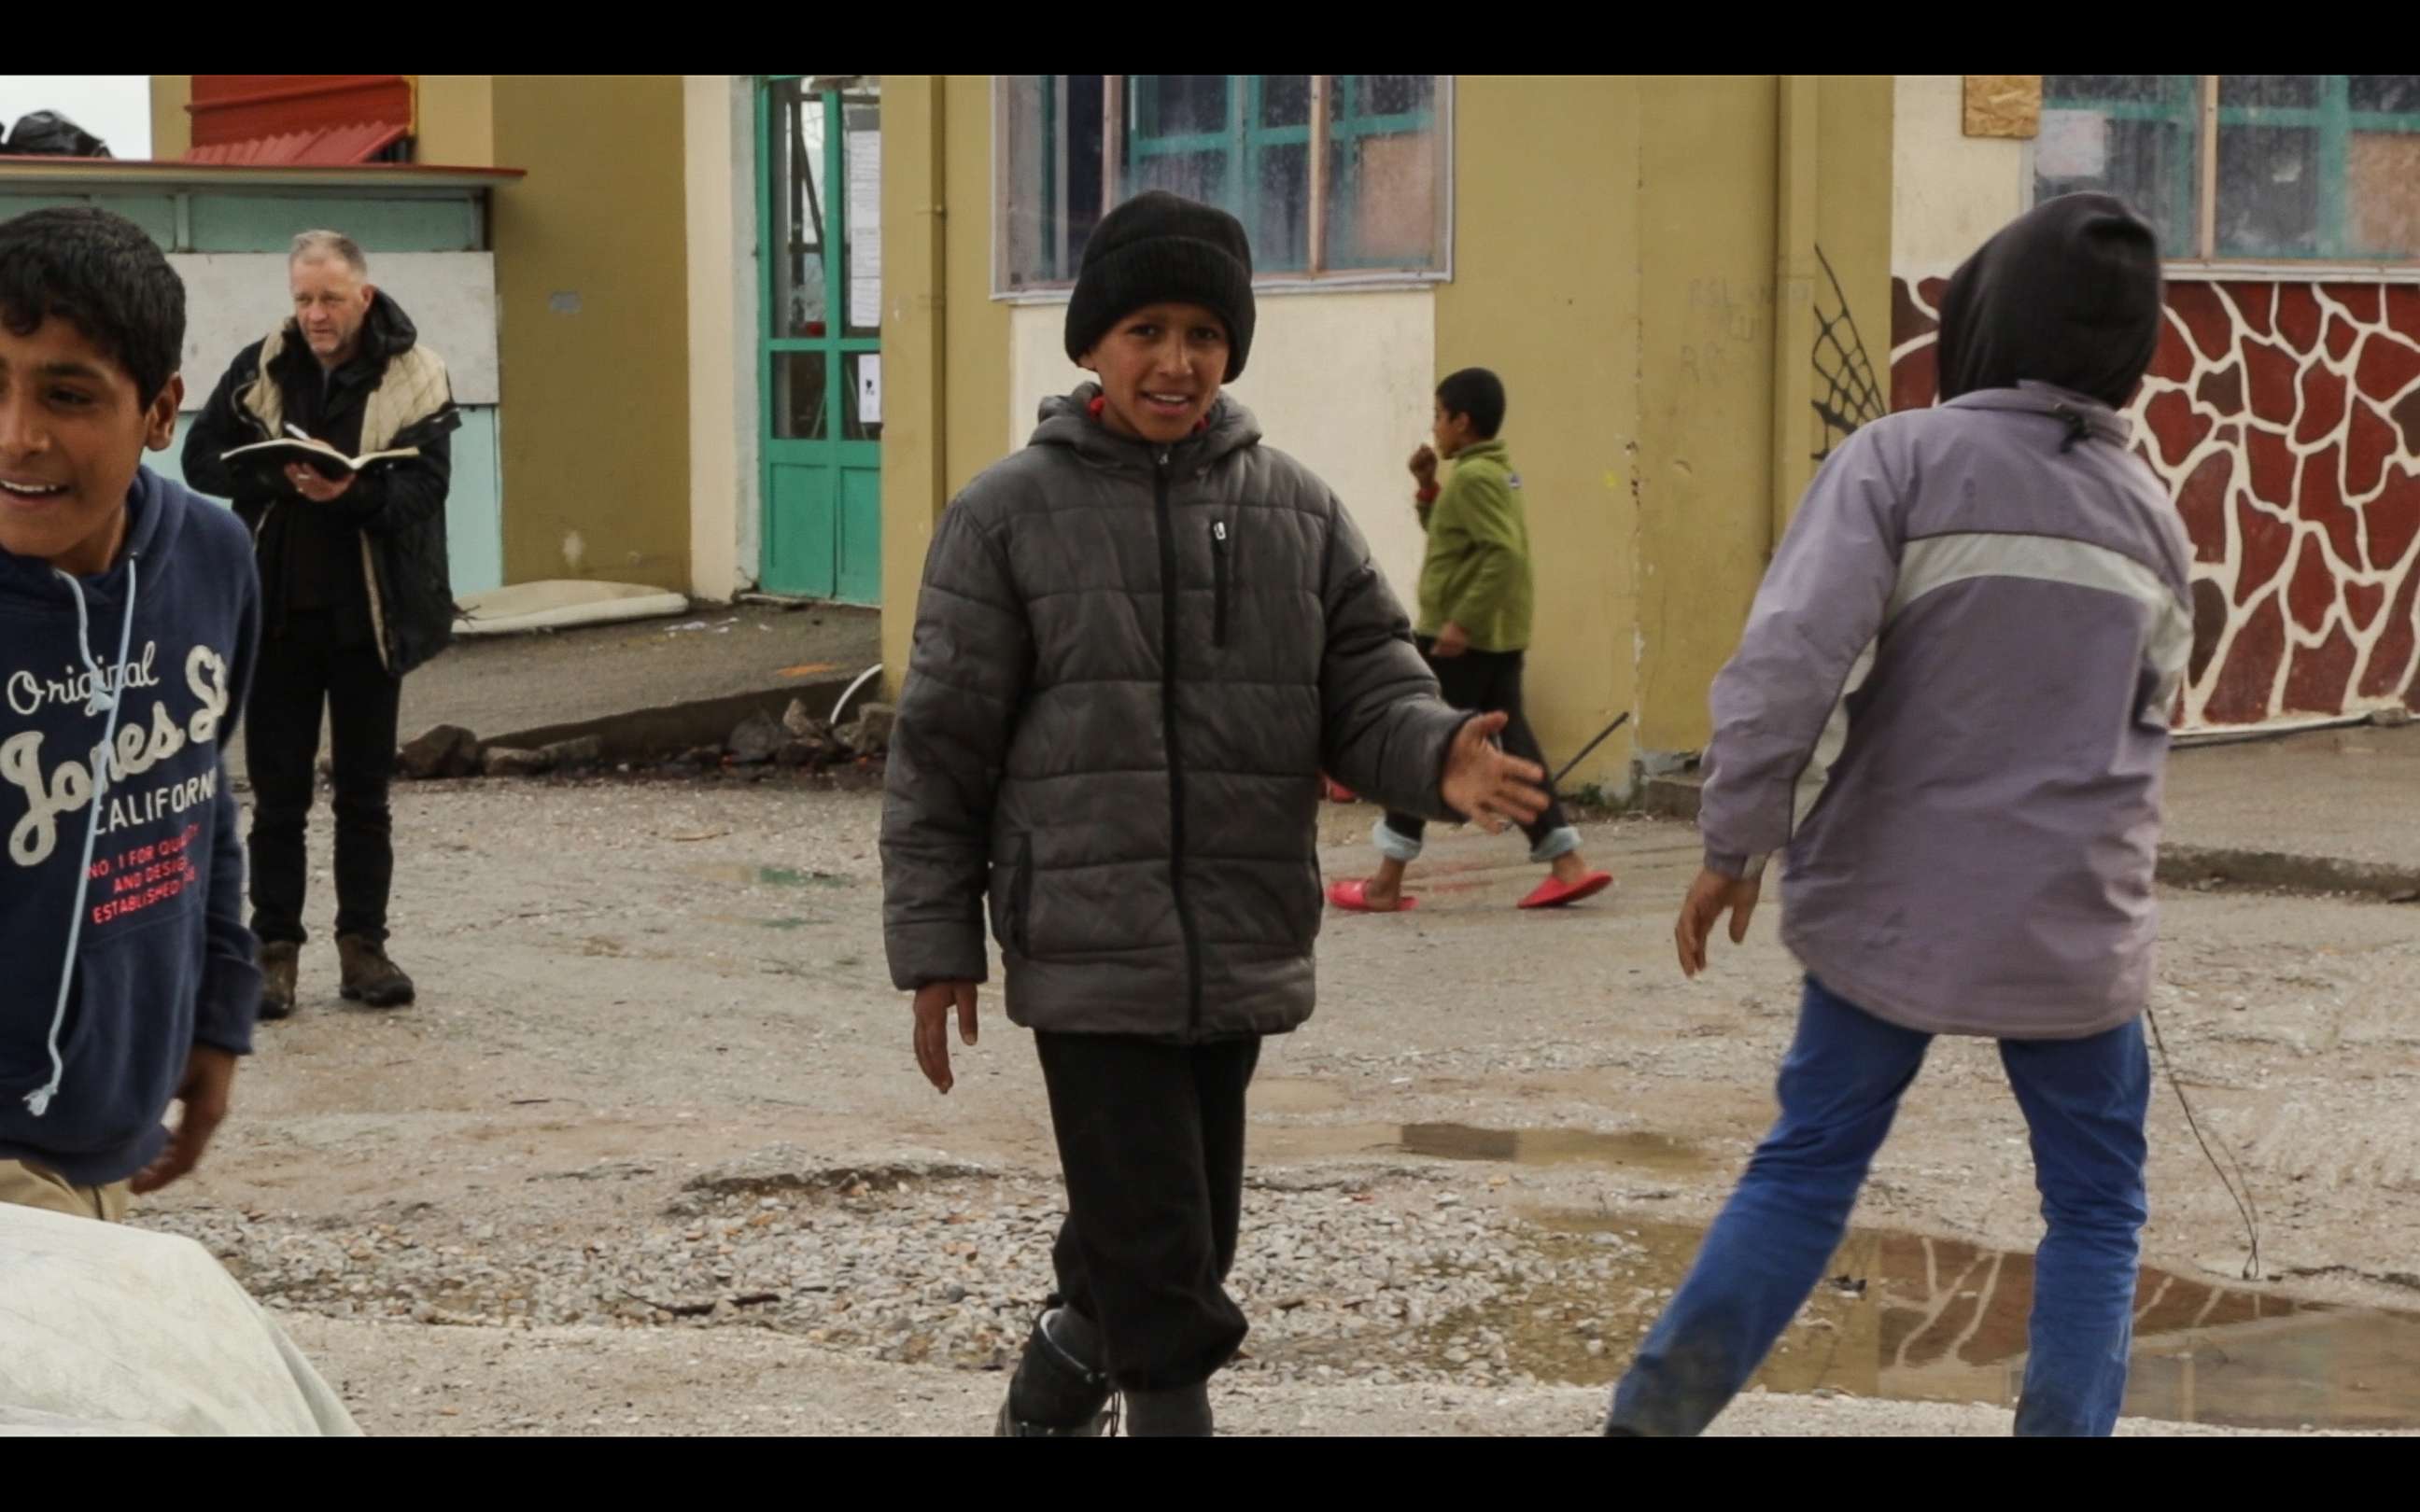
(329, 462)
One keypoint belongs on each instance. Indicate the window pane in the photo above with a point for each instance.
(797, 234)
(798, 390)
(1285, 100)
(2268, 192)
(1279, 222)
(862, 173)
(2389, 93)
(1083, 140)
(1179, 104)
(1050, 183)
(1201, 175)
(1169, 116)
(2268, 91)
(1385, 171)
(2383, 195)
(2131, 135)
(1277, 189)
(1396, 94)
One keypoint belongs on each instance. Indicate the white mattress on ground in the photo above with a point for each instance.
(111, 1330)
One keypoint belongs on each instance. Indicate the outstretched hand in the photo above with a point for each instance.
(1488, 787)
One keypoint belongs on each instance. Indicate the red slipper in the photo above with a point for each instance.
(1353, 898)
(1338, 792)
(1553, 894)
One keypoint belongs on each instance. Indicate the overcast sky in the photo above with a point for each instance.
(114, 107)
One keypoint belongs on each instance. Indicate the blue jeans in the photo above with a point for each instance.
(2083, 1100)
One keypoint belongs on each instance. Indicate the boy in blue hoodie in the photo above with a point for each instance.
(128, 608)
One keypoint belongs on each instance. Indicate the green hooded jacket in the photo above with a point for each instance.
(1476, 570)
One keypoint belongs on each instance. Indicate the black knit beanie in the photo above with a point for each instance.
(1158, 247)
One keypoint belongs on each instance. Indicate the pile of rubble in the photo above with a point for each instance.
(799, 739)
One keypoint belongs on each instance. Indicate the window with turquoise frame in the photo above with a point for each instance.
(1384, 169)
(1332, 175)
(2250, 167)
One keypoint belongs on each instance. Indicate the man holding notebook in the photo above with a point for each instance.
(355, 585)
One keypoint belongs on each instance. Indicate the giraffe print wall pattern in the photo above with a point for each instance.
(2285, 420)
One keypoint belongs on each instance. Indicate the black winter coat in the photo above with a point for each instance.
(1131, 665)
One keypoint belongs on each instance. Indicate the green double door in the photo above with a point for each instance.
(819, 168)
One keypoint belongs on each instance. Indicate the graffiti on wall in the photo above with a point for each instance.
(2284, 420)
(1847, 391)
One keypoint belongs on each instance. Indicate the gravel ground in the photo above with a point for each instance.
(650, 1155)
(1380, 1277)
(676, 1382)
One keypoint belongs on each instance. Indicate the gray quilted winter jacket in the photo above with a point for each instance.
(1131, 665)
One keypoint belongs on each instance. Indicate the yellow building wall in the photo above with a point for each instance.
(172, 124)
(1723, 457)
(592, 305)
(944, 340)
(978, 324)
(1704, 469)
(1618, 260)
(455, 119)
(915, 411)
(1546, 292)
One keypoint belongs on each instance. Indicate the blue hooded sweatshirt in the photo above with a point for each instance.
(122, 942)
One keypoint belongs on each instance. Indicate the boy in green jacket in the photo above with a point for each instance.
(1476, 599)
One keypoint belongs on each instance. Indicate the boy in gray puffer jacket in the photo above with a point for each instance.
(1139, 642)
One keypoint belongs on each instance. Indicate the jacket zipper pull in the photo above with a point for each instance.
(1219, 589)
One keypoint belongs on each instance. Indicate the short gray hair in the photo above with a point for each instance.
(311, 246)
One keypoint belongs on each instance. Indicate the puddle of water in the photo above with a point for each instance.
(1911, 1318)
(767, 876)
(1459, 1141)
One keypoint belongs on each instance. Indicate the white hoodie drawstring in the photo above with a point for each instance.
(103, 700)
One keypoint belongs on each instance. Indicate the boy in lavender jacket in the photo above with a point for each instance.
(1949, 710)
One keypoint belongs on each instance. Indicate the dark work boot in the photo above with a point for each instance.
(279, 962)
(370, 978)
(1059, 1391)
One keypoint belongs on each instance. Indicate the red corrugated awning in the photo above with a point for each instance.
(332, 147)
(284, 119)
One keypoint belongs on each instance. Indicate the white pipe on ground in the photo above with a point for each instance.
(862, 678)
